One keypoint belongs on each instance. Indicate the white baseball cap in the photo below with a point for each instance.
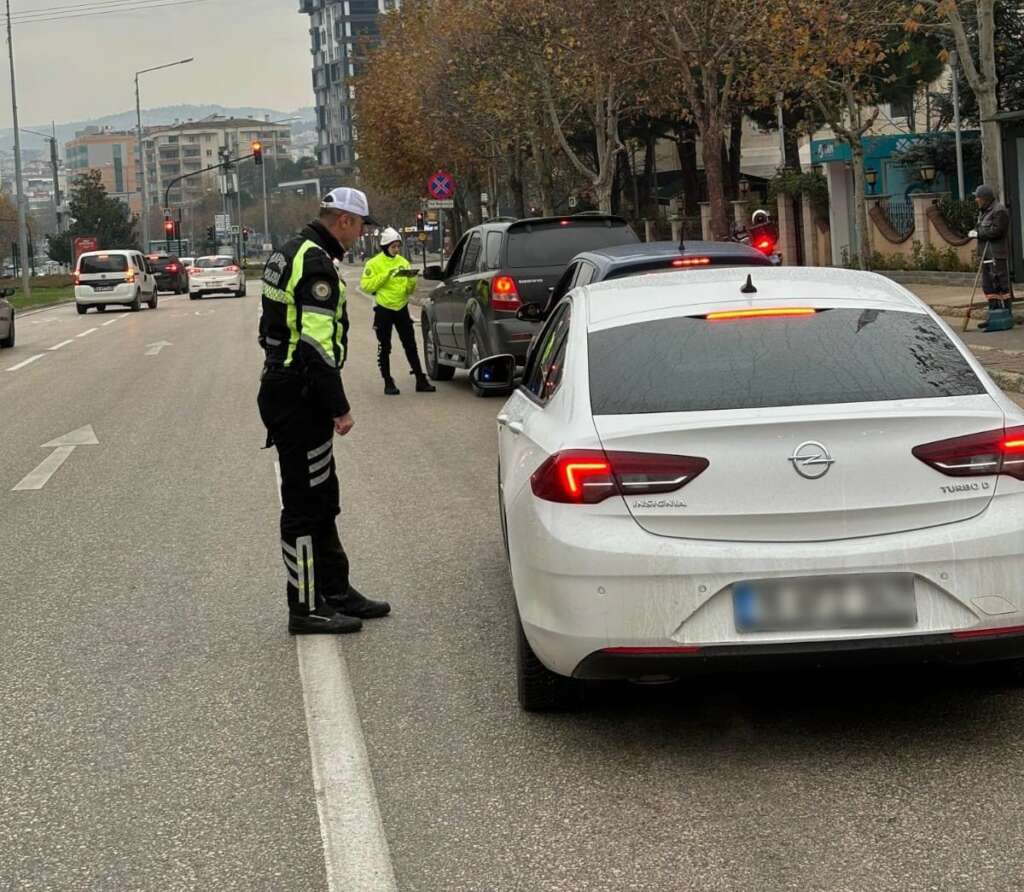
(350, 201)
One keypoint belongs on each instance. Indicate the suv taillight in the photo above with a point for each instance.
(589, 476)
(977, 455)
(76, 277)
(505, 294)
(129, 276)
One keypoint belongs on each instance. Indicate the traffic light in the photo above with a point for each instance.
(420, 222)
(257, 152)
(168, 227)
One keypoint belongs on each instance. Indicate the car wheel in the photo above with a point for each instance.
(81, 309)
(9, 340)
(539, 689)
(101, 308)
(432, 351)
(152, 302)
(474, 355)
(193, 296)
(136, 304)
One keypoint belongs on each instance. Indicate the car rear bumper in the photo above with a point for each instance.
(513, 336)
(945, 649)
(587, 581)
(87, 295)
(209, 286)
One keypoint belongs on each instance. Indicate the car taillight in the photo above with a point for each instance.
(505, 294)
(765, 244)
(76, 277)
(129, 276)
(977, 455)
(589, 476)
(193, 270)
(172, 267)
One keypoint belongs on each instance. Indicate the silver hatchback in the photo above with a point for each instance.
(6, 318)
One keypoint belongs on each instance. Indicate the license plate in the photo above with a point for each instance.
(102, 287)
(821, 603)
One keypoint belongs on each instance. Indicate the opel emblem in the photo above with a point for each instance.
(812, 460)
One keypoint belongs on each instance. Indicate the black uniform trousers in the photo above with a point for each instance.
(384, 320)
(315, 561)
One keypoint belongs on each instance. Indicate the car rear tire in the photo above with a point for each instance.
(539, 689)
(431, 353)
(474, 354)
(136, 304)
(9, 340)
(101, 308)
(82, 309)
(152, 302)
(192, 296)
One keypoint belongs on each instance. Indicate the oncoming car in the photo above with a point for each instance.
(748, 468)
(216, 274)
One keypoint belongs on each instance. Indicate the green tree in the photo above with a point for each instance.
(97, 214)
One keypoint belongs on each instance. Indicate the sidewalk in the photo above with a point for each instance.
(1002, 353)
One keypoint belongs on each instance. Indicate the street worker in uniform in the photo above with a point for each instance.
(994, 250)
(390, 279)
(304, 333)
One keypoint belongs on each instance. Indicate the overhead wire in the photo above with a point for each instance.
(116, 6)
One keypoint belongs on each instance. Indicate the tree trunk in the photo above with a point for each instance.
(711, 145)
(649, 207)
(545, 178)
(861, 205)
(515, 182)
(603, 187)
(686, 148)
(733, 153)
(988, 105)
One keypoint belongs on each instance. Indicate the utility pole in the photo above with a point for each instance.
(55, 163)
(953, 60)
(26, 279)
(142, 165)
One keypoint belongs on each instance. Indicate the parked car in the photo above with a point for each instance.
(495, 269)
(171, 273)
(705, 470)
(216, 274)
(651, 257)
(103, 278)
(6, 318)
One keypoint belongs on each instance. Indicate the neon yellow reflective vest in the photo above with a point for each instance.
(379, 280)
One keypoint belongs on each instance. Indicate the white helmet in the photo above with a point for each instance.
(388, 237)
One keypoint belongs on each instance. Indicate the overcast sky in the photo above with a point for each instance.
(247, 52)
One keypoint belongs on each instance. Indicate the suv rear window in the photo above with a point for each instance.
(689, 364)
(103, 263)
(552, 244)
(214, 262)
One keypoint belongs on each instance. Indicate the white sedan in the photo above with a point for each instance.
(217, 274)
(700, 470)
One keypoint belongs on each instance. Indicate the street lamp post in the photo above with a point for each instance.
(55, 165)
(138, 136)
(26, 281)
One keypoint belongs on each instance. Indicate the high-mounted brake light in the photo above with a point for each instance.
(977, 455)
(763, 313)
(589, 476)
(691, 261)
(505, 294)
(565, 222)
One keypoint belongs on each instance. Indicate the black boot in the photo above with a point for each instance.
(423, 385)
(324, 621)
(356, 604)
(389, 387)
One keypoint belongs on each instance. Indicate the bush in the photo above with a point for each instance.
(962, 216)
(921, 258)
(795, 184)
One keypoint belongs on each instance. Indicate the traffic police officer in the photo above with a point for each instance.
(304, 333)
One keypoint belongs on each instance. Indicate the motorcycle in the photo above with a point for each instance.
(762, 234)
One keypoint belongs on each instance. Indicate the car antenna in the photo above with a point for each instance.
(748, 286)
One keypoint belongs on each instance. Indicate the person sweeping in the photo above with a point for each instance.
(391, 280)
(994, 249)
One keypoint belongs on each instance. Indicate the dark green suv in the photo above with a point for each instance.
(495, 269)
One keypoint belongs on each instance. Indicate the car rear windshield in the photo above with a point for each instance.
(688, 364)
(214, 262)
(552, 244)
(103, 263)
(163, 262)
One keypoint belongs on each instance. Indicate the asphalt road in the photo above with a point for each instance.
(152, 728)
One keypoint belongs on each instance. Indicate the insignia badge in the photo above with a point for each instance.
(321, 290)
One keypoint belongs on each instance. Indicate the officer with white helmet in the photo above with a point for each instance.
(391, 280)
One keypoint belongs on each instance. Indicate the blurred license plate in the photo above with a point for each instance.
(825, 602)
(102, 287)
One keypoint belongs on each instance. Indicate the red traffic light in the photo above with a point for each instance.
(257, 151)
(169, 226)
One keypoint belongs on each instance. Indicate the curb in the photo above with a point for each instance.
(1012, 381)
(928, 277)
(40, 307)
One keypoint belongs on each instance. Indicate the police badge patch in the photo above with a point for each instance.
(321, 290)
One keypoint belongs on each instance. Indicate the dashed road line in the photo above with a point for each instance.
(112, 321)
(88, 331)
(26, 362)
(61, 344)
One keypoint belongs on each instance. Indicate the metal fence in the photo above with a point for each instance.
(900, 215)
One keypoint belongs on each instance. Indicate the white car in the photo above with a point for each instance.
(105, 278)
(216, 274)
(700, 470)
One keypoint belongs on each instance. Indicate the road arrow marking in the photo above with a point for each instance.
(154, 349)
(24, 363)
(62, 448)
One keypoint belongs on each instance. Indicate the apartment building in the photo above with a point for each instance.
(190, 146)
(113, 154)
(339, 32)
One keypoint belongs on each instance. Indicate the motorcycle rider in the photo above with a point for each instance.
(389, 277)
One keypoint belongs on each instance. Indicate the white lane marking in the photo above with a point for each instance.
(26, 362)
(88, 331)
(62, 447)
(355, 849)
(61, 344)
(112, 321)
(154, 349)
